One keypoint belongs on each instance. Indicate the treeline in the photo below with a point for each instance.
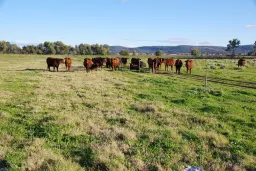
(58, 48)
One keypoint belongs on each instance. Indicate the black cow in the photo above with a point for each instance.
(178, 65)
(124, 61)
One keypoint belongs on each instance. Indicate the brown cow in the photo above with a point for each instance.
(178, 65)
(88, 64)
(115, 63)
(161, 60)
(189, 65)
(241, 62)
(68, 62)
(154, 64)
(54, 62)
(169, 62)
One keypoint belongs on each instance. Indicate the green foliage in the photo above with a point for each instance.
(57, 47)
(159, 53)
(7, 47)
(3, 46)
(124, 53)
(254, 48)
(195, 52)
(233, 45)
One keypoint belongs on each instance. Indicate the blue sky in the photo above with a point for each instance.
(128, 22)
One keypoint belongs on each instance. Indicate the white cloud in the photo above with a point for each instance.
(205, 43)
(250, 26)
(176, 41)
(24, 42)
(172, 41)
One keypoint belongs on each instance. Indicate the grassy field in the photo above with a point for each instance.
(124, 120)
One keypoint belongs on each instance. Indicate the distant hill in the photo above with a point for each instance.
(180, 49)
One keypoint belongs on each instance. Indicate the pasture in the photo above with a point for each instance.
(125, 120)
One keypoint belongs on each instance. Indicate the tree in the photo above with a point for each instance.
(159, 53)
(14, 49)
(49, 48)
(60, 48)
(195, 52)
(40, 49)
(57, 47)
(3, 46)
(233, 45)
(88, 49)
(134, 53)
(254, 48)
(8, 47)
(124, 52)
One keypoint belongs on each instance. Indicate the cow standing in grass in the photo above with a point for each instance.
(136, 64)
(68, 63)
(153, 63)
(178, 65)
(189, 65)
(124, 61)
(98, 62)
(88, 64)
(54, 62)
(162, 61)
(241, 62)
(115, 63)
(108, 62)
(169, 62)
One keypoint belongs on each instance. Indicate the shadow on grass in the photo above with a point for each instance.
(4, 165)
(84, 156)
(33, 69)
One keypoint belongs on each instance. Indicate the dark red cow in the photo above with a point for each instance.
(169, 62)
(189, 65)
(241, 62)
(178, 65)
(68, 63)
(54, 62)
(161, 60)
(153, 63)
(98, 62)
(115, 63)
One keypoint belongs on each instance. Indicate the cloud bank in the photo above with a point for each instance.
(250, 26)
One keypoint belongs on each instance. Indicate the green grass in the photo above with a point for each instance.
(124, 120)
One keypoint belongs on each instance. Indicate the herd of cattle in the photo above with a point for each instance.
(136, 63)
